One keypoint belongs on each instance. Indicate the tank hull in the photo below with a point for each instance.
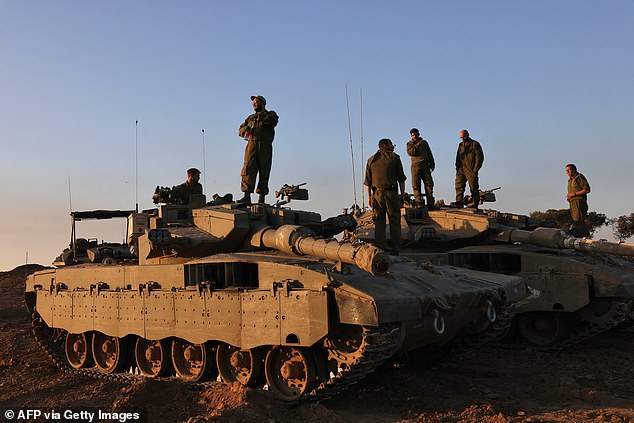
(582, 290)
(266, 303)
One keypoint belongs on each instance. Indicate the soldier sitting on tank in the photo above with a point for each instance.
(191, 185)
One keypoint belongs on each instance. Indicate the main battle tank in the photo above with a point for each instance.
(585, 287)
(256, 294)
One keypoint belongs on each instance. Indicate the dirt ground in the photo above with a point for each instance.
(591, 382)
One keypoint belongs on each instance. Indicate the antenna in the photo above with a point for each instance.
(72, 221)
(354, 179)
(70, 197)
(362, 162)
(204, 170)
(136, 166)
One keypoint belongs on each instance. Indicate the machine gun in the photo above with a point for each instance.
(165, 195)
(487, 196)
(291, 192)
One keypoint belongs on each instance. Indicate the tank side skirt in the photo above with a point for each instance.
(242, 319)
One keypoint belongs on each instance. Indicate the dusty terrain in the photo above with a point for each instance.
(593, 381)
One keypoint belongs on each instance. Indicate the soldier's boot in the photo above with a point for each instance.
(475, 201)
(430, 203)
(246, 199)
(419, 202)
(261, 198)
(459, 203)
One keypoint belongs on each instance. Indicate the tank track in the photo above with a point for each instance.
(378, 344)
(586, 329)
(467, 342)
(581, 330)
(53, 346)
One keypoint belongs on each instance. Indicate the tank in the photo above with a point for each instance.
(254, 294)
(585, 286)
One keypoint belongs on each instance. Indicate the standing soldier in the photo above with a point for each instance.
(578, 189)
(422, 167)
(469, 159)
(384, 177)
(259, 131)
(191, 185)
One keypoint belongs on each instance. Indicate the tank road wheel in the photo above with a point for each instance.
(543, 329)
(236, 365)
(153, 357)
(192, 362)
(290, 372)
(78, 350)
(110, 353)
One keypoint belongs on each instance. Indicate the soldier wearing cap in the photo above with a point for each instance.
(191, 185)
(384, 177)
(422, 166)
(578, 189)
(469, 159)
(259, 131)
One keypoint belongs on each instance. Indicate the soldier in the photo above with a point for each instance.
(259, 131)
(383, 177)
(191, 185)
(578, 189)
(422, 167)
(469, 159)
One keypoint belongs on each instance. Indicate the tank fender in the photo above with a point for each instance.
(607, 283)
(355, 308)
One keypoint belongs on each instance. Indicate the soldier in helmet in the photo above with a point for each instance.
(259, 131)
(422, 167)
(384, 177)
(469, 159)
(578, 189)
(191, 185)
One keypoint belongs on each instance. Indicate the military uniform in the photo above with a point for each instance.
(258, 154)
(383, 173)
(422, 166)
(469, 159)
(189, 188)
(579, 204)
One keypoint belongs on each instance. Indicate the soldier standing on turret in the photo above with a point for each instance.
(469, 159)
(578, 189)
(383, 177)
(259, 131)
(191, 185)
(422, 167)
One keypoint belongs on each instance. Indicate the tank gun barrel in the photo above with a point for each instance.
(556, 238)
(300, 240)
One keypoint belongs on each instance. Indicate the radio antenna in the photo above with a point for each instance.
(70, 197)
(361, 132)
(136, 166)
(72, 221)
(204, 170)
(354, 179)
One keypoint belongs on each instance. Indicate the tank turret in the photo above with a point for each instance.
(585, 286)
(257, 294)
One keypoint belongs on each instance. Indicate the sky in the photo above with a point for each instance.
(539, 84)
